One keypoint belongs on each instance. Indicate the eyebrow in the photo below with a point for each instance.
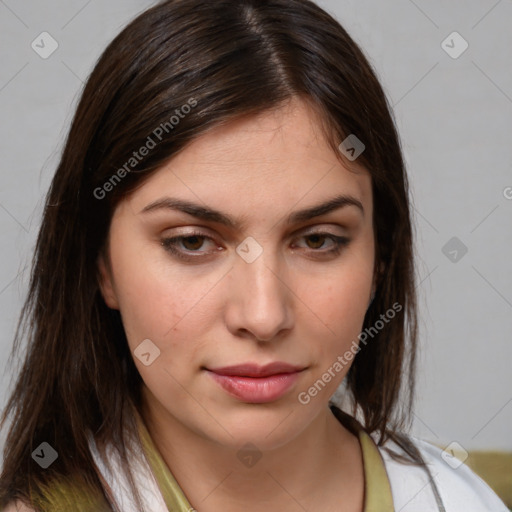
(209, 214)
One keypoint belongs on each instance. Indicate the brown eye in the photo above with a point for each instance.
(187, 247)
(315, 242)
(191, 242)
(315, 239)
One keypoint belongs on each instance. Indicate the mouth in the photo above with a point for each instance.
(252, 383)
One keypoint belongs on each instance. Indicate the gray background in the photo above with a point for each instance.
(455, 120)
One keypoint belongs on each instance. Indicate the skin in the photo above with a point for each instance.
(291, 304)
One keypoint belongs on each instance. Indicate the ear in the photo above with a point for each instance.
(106, 282)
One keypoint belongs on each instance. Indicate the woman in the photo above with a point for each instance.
(226, 240)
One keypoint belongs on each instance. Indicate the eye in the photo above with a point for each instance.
(191, 243)
(190, 246)
(317, 241)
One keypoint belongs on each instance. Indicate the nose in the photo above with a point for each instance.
(260, 300)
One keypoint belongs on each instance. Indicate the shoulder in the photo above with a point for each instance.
(458, 487)
(62, 493)
(17, 506)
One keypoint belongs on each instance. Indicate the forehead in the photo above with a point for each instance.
(278, 157)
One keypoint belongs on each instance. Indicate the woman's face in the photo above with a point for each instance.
(264, 272)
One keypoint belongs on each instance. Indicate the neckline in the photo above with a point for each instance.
(377, 488)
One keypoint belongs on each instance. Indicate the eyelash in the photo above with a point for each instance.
(169, 244)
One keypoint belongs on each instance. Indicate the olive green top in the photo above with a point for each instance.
(70, 494)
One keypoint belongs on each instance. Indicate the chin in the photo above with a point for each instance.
(262, 425)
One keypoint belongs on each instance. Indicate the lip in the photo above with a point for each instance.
(252, 383)
(255, 370)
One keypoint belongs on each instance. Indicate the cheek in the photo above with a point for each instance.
(149, 309)
(153, 295)
(341, 298)
(156, 309)
(344, 305)
(335, 333)
(167, 305)
(339, 302)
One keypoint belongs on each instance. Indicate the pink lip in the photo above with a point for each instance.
(257, 384)
(254, 370)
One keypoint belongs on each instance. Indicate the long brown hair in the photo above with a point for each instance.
(233, 58)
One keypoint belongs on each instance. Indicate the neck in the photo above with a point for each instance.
(321, 465)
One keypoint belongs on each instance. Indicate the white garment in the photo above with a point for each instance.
(460, 489)
(119, 488)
